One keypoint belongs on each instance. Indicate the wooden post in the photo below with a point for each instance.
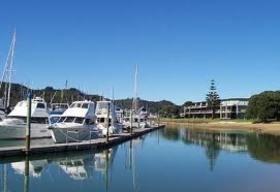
(108, 123)
(28, 124)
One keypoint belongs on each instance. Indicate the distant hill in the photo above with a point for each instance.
(19, 92)
(50, 94)
(165, 108)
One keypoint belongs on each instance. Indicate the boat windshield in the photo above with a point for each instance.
(85, 105)
(72, 105)
(79, 120)
(103, 120)
(41, 105)
(100, 120)
(69, 119)
(17, 117)
(62, 119)
(40, 120)
(103, 105)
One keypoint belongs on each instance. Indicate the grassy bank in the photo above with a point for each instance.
(217, 124)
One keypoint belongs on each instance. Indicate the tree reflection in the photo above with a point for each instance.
(171, 134)
(212, 141)
(264, 147)
(212, 151)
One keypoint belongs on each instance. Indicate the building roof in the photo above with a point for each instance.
(234, 99)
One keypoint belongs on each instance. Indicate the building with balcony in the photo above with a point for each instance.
(233, 108)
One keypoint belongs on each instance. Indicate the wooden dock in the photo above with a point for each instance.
(94, 144)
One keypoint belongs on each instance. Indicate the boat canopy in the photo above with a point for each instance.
(102, 109)
(38, 109)
(84, 109)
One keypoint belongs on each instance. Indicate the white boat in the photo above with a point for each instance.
(103, 118)
(140, 119)
(77, 123)
(14, 126)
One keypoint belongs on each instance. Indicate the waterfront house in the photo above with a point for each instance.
(233, 108)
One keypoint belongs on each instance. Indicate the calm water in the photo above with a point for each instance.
(167, 160)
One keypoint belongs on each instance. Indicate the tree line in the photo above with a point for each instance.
(51, 95)
(263, 107)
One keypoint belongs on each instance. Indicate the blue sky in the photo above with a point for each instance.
(179, 45)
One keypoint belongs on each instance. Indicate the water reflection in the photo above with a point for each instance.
(4, 184)
(120, 168)
(263, 147)
(77, 167)
(35, 167)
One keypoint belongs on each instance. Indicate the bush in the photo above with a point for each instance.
(264, 107)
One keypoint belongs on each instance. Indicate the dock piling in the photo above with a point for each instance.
(108, 122)
(28, 124)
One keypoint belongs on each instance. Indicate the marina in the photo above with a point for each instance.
(98, 143)
(139, 96)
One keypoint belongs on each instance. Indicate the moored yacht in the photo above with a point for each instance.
(140, 119)
(103, 118)
(77, 123)
(13, 127)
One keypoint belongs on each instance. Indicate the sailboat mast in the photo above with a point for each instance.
(62, 92)
(135, 99)
(11, 68)
(7, 73)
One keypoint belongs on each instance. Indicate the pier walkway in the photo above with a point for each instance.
(94, 144)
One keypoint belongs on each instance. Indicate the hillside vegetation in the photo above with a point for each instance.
(52, 95)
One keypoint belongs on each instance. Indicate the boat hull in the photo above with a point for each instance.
(112, 129)
(19, 131)
(76, 134)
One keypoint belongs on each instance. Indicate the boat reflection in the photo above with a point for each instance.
(77, 167)
(104, 159)
(36, 167)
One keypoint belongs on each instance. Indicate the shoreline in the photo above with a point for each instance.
(228, 125)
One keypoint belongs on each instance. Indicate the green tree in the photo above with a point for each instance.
(264, 106)
(213, 98)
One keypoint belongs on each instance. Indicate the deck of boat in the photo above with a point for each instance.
(96, 144)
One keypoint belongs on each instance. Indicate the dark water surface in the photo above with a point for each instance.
(165, 160)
